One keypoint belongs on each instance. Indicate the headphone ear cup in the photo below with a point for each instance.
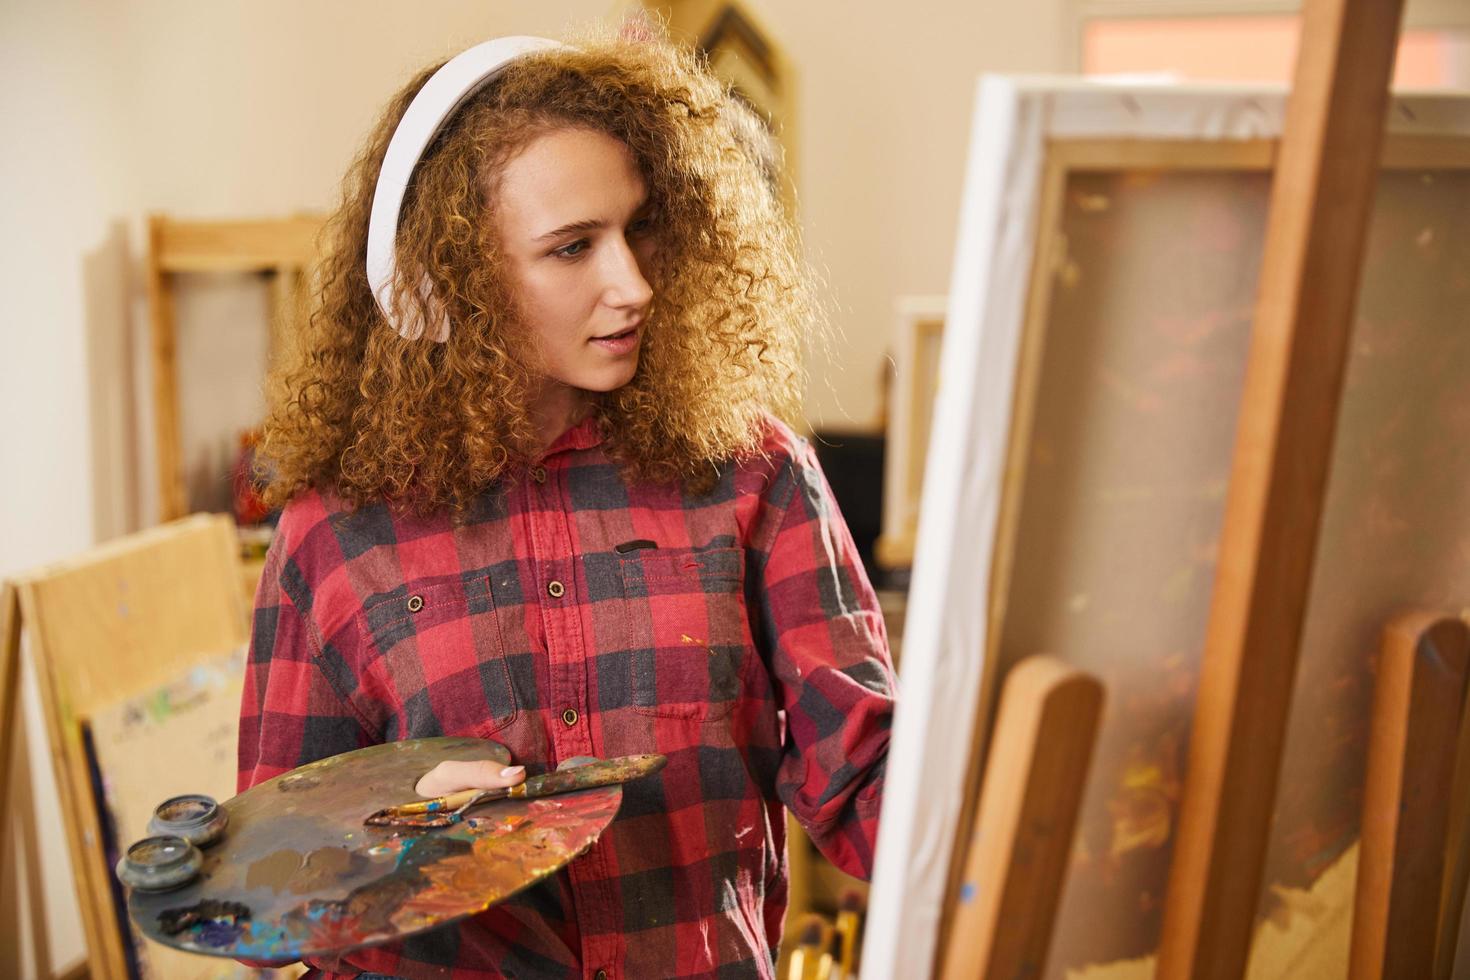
(409, 316)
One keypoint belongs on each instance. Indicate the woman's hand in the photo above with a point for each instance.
(451, 777)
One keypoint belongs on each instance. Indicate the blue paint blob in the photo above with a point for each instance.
(967, 891)
(216, 933)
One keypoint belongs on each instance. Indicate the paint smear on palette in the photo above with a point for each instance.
(298, 874)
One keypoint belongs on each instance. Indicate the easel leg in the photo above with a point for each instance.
(10, 719)
(1321, 196)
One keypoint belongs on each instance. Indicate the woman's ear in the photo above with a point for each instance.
(412, 314)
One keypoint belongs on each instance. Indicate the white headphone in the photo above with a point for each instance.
(445, 91)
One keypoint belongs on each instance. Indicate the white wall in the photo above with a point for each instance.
(242, 109)
(884, 99)
(62, 185)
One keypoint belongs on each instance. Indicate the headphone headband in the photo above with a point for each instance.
(445, 91)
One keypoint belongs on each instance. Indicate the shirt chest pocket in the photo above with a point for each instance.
(687, 638)
(435, 651)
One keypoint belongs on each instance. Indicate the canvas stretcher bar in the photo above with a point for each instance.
(1029, 133)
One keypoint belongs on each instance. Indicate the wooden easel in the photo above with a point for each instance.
(125, 616)
(1310, 268)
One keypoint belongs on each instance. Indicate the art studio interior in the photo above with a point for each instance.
(743, 488)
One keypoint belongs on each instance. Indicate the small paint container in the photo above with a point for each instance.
(160, 864)
(195, 817)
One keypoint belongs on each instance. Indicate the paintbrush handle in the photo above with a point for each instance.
(609, 772)
(440, 804)
(602, 772)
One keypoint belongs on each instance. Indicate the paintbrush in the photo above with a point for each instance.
(444, 811)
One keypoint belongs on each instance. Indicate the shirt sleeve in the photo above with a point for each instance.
(289, 713)
(829, 658)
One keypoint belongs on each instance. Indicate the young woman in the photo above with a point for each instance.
(536, 491)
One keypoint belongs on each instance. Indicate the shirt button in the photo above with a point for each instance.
(555, 589)
(538, 474)
(415, 603)
(600, 975)
(569, 716)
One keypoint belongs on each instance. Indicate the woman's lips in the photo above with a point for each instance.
(618, 343)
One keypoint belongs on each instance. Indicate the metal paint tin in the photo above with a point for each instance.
(195, 817)
(159, 864)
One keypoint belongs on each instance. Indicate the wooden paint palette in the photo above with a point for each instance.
(297, 874)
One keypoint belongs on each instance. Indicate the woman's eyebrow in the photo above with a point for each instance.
(586, 224)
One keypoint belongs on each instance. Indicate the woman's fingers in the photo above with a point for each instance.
(451, 777)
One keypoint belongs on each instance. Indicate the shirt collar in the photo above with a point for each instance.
(584, 435)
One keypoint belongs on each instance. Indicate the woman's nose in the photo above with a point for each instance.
(625, 285)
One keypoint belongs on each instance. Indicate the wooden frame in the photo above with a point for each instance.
(10, 718)
(923, 318)
(118, 619)
(22, 835)
(1065, 157)
(1404, 900)
(1040, 132)
(283, 249)
(918, 330)
(744, 54)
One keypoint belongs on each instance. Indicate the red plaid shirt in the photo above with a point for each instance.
(741, 639)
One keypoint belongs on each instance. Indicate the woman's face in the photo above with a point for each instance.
(573, 216)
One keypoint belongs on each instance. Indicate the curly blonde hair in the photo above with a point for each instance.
(369, 415)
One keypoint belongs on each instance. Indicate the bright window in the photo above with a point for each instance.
(1253, 49)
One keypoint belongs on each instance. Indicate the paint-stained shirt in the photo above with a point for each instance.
(576, 612)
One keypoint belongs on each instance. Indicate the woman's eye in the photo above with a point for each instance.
(573, 250)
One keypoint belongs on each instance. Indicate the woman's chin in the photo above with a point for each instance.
(606, 381)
